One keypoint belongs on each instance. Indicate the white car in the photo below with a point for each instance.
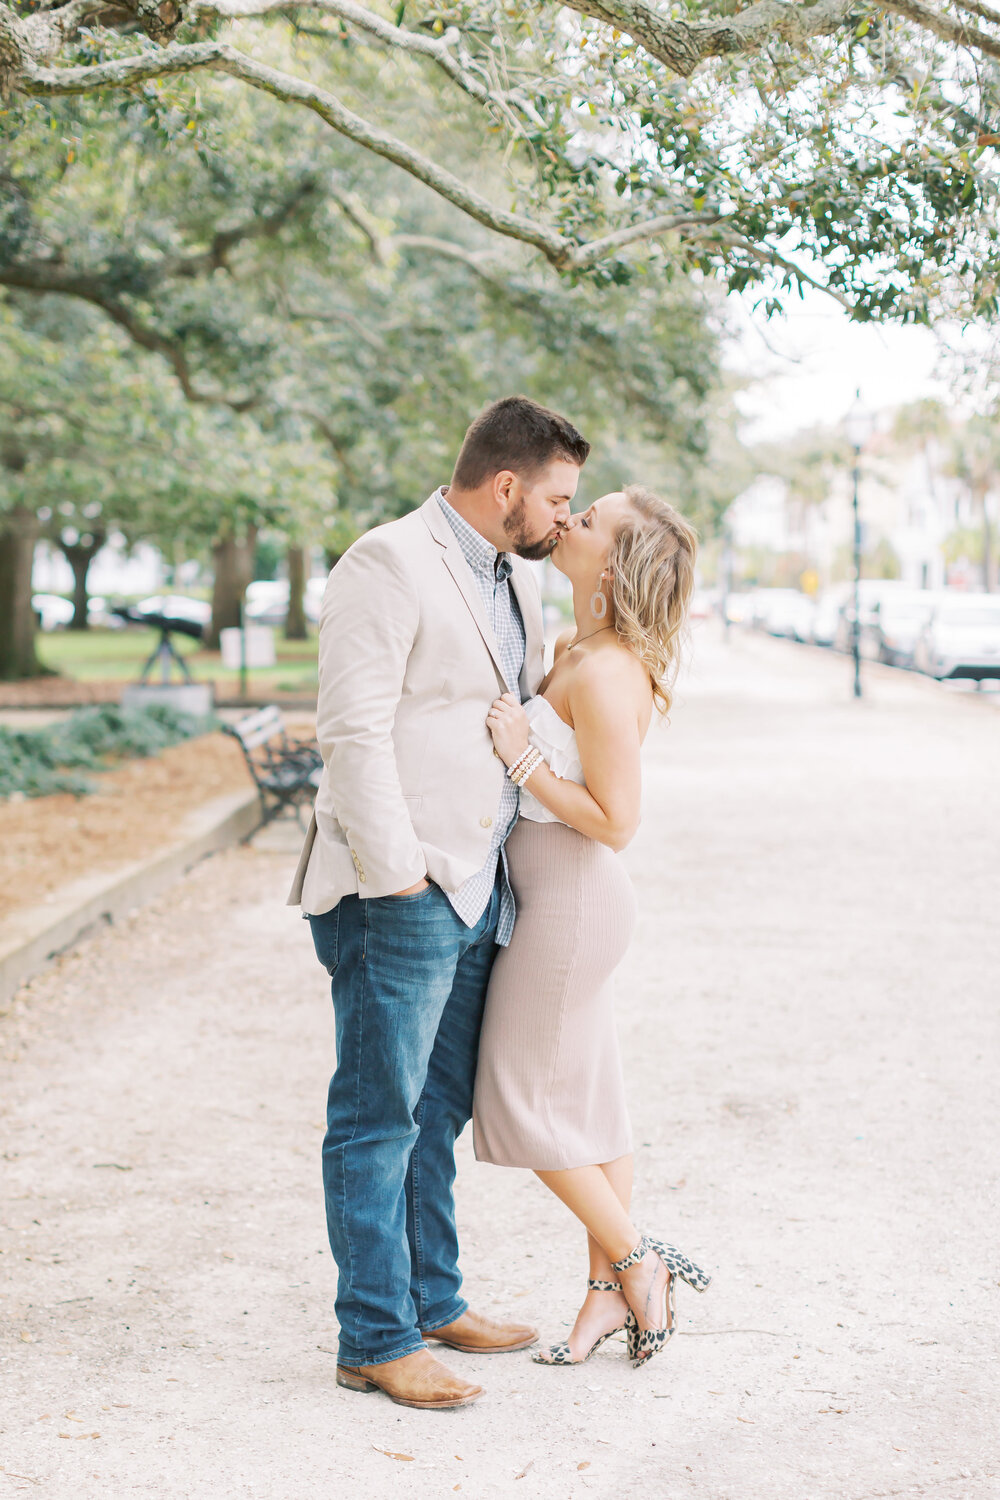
(896, 621)
(52, 610)
(961, 638)
(783, 612)
(702, 605)
(826, 616)
(739, 608)
(800, 618)
(267, 600)
(176, 607)
(870, 592)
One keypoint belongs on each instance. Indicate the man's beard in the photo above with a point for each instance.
(516, 529)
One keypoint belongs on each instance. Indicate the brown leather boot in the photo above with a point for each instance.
(417, 1379)
(474, 1333)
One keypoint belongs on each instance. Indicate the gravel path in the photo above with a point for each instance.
(809, 1015)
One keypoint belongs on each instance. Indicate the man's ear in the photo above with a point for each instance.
(505, 488)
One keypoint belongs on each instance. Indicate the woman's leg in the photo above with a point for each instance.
(601, 1312)
(599, 1198)
(588, 1193)
(619, 1174)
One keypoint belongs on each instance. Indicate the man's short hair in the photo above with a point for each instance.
(517, 434)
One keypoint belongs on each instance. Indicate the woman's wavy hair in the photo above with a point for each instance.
(652, 579)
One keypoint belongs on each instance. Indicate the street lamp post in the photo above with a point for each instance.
(856, 626)
(857, 426)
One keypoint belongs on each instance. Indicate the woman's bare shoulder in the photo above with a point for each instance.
(615, 672)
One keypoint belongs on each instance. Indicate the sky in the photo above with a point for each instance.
(808, 364)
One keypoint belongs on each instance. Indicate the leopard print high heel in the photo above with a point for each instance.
(643, 1343)
(561, 1354)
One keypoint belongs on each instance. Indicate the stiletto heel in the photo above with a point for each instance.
(643, 1343)
(562, 1354)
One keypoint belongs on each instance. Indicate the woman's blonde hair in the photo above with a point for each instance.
(652, 579)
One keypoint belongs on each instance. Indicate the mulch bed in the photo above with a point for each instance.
(46, 842)
(65, 692)
(57, 692)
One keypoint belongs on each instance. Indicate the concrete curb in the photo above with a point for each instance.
(29, 939)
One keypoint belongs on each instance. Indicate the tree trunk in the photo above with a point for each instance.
(19, 533)
(80, 555)
(233, 560)
(295, 620)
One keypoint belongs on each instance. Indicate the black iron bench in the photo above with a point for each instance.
(285, 772)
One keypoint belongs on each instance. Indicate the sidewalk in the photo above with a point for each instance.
(809, 1020)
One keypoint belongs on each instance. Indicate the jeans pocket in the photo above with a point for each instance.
(402, 900)
(326, 938)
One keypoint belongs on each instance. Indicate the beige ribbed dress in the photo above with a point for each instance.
(549, 1088)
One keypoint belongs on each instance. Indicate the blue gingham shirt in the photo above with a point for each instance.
(491, 570)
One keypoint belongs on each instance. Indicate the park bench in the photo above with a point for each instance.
(285, 772)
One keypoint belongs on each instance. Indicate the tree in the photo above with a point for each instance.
(325, 354)
(975, 459)
(845, 144)
(17, 548)
(94, 442)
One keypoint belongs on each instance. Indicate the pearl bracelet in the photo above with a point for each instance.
(529, 768)
(513, 767)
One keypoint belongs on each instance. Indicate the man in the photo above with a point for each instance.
(403, 877)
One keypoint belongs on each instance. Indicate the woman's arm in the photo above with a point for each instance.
(609, 700)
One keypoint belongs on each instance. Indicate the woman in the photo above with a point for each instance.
(549, 1090)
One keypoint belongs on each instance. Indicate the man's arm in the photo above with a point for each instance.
(367, 626)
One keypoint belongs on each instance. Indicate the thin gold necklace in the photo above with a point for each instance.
(583, 638)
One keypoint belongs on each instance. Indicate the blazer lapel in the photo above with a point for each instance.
(534, 631)
(462, 574)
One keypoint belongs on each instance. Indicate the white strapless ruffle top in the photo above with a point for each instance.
(557, 741)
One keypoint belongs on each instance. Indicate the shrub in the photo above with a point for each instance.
(38, 762)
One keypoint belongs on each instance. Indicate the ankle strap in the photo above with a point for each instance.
(634, 1258)
(603, 1286)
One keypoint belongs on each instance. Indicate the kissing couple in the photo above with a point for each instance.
(461, 883)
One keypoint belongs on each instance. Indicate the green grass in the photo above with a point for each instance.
(119, 656)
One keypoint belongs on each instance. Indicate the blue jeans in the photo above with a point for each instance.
(409, 981)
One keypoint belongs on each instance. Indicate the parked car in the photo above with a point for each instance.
(800, 618)
(175, 607)
(823, 629)
(739, 608)
(315, 589)
(783, 612)
(896, 621)
(267, 600)
(870, 591)
(53, 610)
(961, 638)
(702, 605)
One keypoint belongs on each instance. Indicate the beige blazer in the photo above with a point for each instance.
(408, 667)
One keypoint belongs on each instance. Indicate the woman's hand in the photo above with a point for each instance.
(507, 722)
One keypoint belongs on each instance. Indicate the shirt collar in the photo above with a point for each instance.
(480, 554)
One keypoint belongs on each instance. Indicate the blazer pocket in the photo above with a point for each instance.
(412, 804)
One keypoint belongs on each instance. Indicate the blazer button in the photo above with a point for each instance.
(486, 822)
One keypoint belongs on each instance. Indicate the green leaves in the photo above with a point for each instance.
(39, 762)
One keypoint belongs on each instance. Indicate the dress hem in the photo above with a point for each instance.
(557, 1166)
